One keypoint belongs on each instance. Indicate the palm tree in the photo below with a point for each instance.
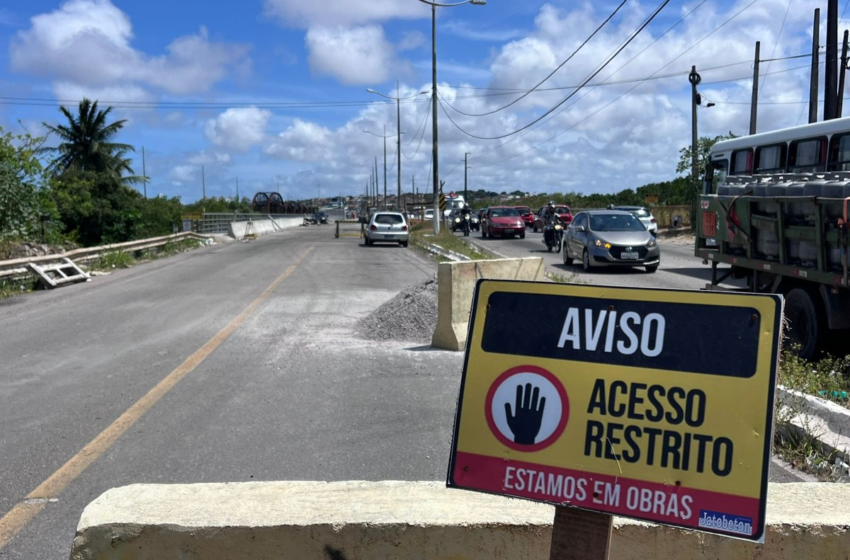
(86, 144)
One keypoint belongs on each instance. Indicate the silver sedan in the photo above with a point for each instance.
(610, 238)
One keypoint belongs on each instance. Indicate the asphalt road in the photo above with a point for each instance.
(236, 362)
(290, 394)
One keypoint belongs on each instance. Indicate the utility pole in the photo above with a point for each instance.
(237, 190)
(842, 73)
(377, 182)
(398, 141)
(694, 79)
(754, 104)
(813, 79)
(144, 173)
(203, 183)
(830, 98)
(465, 169)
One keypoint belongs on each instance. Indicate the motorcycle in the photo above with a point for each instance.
(552, 235)
(465, 225)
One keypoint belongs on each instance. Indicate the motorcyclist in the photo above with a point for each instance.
(549, 219)
(466, 217)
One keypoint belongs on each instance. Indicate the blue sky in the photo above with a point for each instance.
(206, 84)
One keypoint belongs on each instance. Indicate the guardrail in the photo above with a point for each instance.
(18, 267)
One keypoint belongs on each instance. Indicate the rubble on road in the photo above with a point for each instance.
(409, 316)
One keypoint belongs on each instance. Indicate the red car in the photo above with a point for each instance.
(561, 210)
(502, 221)
(527, 215)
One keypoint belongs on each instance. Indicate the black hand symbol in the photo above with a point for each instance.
(525, 422)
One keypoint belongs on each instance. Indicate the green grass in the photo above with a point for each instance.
(12, 288)
(422, 235)
(826, 378)
(125, 259)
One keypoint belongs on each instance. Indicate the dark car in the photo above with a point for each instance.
(502, 221)
(562, 210)
(527, 215)
(610, 238)
(319, 218)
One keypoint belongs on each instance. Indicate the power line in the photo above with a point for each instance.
(550, 111)
(739, 12)
(776, 44)
(552, 73)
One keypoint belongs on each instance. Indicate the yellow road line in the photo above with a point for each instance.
(25, 511)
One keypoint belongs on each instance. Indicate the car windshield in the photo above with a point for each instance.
(504, 213)
(615, 222)
(562, 210)
(523, 209)
(389, 219)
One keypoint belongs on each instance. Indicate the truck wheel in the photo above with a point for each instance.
(805, 322)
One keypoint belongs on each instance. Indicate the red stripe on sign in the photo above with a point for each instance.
(650, 501)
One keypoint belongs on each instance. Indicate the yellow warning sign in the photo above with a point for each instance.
(652, 404)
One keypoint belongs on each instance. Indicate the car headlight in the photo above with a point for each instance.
(652, 243)
(457, 220)
(600, 243)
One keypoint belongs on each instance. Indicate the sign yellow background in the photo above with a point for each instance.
(737, 408)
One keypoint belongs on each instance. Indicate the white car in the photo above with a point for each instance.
(387, 227)
(429, 214)
(644, 215)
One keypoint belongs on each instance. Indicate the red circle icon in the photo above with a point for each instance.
(527, 408)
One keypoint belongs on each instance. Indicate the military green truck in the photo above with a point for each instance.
(774, 211)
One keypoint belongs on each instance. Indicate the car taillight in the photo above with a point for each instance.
(653, 221)
(403, 228)
(373, 227)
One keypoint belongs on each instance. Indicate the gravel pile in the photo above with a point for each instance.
(410, 316)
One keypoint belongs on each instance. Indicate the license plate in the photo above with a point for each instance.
(629, 256)
(389, 236)
(509, 231)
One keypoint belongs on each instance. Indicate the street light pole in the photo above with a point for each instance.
(435, 163)
(435, 152)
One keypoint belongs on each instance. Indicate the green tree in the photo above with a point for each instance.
(86, 144)
(23, 199)
(97, 208)
(704, 145)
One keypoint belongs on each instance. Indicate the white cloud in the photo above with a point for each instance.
(183, 174)
(238, 129)
(361, 55)
(86, 43)
(303, 141)
(411, 40)
(303, 13)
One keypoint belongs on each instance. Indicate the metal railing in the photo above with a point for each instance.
(18, 267)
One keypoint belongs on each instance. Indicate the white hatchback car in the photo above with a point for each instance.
(387, 227)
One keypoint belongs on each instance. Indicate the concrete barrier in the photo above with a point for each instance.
(414, 521)
(237, 230)
(456, 284)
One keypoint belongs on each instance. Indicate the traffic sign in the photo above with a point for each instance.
(651, 404)
(442, 202)
(651, 198)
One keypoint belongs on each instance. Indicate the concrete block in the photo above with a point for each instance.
(456, 284)
(415, 521)
(237, 230)
(309, 521)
